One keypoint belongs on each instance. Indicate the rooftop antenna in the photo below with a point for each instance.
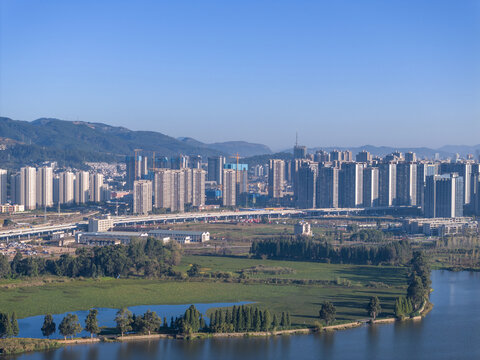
(296, 138)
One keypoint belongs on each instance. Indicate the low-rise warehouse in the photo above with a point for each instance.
(108, 238)
(181, 236)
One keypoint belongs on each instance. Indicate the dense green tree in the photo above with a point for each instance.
(327, 312)
(266, 321)
(416, 292)
(14, 322)
(257, 321)
(5, 326)
(150, 322)
(70, 326)
(276, 323)
(283, 321)
(391, 252)
(15, 264)
(49, 326)
(5, 269)
(373, 307)
(403, 307)
(91, 322)
(194, 270)
(289, 323)
(192, 319)
(421, 268)
(124, 320)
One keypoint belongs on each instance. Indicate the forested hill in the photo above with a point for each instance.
(73, 142)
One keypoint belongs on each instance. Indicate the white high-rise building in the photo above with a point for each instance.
(142, 197)
(28, 188)
(387, 184)
(66, 188)
(178, 196)
(187, 173)
(3, 186)
(370, 187)
(162, 187)
(95, 187)
(229, 187)
(44, 187)
(198, 187)
(82, 185)
(276, 178)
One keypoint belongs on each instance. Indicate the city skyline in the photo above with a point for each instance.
(245, 70)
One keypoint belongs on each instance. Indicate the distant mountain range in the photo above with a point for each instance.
(243, 148)
(73, 142)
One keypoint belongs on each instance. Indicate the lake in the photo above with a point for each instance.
(450, 331)
(31, 327)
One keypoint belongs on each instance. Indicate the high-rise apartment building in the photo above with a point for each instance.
(276, 182)
(327, 187)
(195, 162)
(387, 184)
(215, 169)
(82, 185)
(407, 184)
(179, 162)
(44, 186)
(370, 187)
(96, 188)
(198, 187)
(410, 157)
(299, 152)
(163, 188)
(464, 170)
(66, 187)
(424, 169)
(137, 168)
(178, 191)
(142, 197)
(3, 186)
(187, 174)
(321, 156)
(15, 189)
(307, 186)
(444, 196)
(363, 156)
(28, 188)
(229, 187)
(351, 185)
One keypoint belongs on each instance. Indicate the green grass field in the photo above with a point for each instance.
(358, 274)
(237, 232)
(301, 300)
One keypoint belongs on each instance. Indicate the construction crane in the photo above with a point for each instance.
(237, 157)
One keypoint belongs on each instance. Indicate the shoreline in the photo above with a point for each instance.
(52, 344)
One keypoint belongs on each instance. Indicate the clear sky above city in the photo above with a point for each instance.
(345, 73)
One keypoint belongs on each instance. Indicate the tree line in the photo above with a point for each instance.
(150, 258)
(8, 325)
(394, 252)
(419, 285)
(247, 318)
(328, 310)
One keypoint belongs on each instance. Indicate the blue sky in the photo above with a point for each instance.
(345, 73)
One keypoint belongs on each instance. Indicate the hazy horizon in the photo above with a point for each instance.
(397, 73)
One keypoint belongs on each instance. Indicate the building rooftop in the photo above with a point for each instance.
(177, 232)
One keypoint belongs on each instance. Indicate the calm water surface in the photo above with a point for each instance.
(450, 331)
